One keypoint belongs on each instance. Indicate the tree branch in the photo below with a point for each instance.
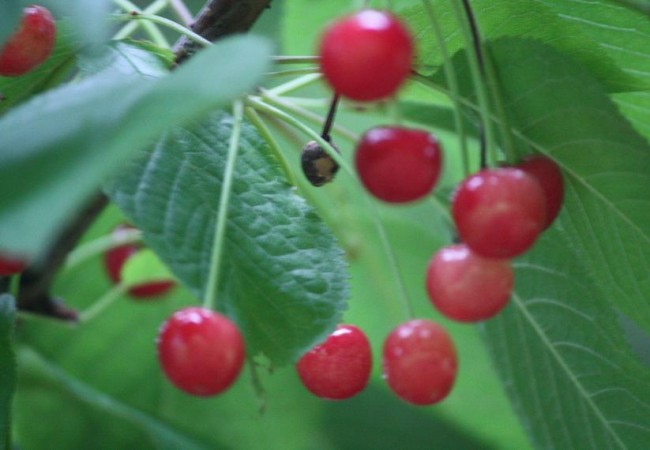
(219, 18)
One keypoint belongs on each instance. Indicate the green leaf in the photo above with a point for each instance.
(57, 148)
(563, 357)
(284, 280)
(521, 19)
(10, 11)
(558, 108)
(143, 267)
(620, 31)
(7, 365)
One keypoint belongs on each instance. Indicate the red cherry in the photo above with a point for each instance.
(200, 351)
(11, 265)
(31, 45)
(420, 362)
(499, 212)
(338, 368)
(467, 287)
(366, 56)
(398, 165)
(114, 260)
(549, 176)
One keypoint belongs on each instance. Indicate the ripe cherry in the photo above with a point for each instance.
(549, 176)
(419, 362)
(11, 265)
(31, 44)
(499, 212)
(398, 165)
(366, 56)
(467, 287)
(114, 260)
(338, 368)
(200, 351)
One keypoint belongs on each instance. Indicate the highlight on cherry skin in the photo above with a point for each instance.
(419, 362)
(11, 265)
(31, 44)
(549, 176)
(114, 260)
(366, 56)
(499, 213)
(200, 351)
(397, 164)
(339, 367)
(467, 287)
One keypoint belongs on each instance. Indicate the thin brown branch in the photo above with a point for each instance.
(36, 281)
(219, 18)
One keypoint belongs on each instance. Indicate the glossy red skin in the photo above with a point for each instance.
(466, 287)
(499, 213)
(366, 56)
(419, 362)
(549, 176)
(31, 45)
(200, 351)
(338, 368)
(11, 265)
(398, 165)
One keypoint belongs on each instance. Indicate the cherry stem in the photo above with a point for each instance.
(469, 29)
(329, 121)
(104, 302)
(168, 23)
(452, 83)
(100, 246)
(152, 30)
(334, 154)
(266, 134)
(210, 294)
(182, 11)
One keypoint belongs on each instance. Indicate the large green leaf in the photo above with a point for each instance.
(522, 19)
(620, 31)
(563, 357)
(57, 148)
(7, 365)
(284, 279)
(557, 108)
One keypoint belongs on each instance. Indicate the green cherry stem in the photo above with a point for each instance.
(475, 60)
(210, 294)
(151, 29)
(101, 245)
(264, 131)
(452, 82)
(104, 302)
(381, 231)
(168, 23)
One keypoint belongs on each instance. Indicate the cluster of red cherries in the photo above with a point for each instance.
(498, 213)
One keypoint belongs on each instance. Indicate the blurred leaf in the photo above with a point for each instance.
(522, 19)
(144, 266)
(14, 90)
(57, 148)
(283, 278)
(7, 365)
(89, 18)
(10, 13)
(563, 357)
(621, 32)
